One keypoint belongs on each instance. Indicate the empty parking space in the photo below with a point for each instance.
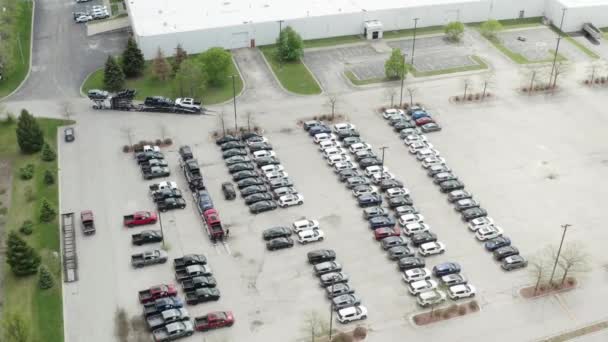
(538, 44)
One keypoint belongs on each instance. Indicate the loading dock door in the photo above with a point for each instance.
(239, 40)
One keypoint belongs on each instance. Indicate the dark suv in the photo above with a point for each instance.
(321, 255)
(228, 190)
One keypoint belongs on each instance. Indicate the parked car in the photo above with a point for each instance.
(237, 159)
(84, 18)
(399, 201)
(258, 197)
(353, 313)
(167, 317)
(146, 237)
(419, 286)
(284, 191)
(430, 127)
(333, 278)
(267, 161)
(313, 235)
(391, 112)
(353, 182)
(415, 228)
(410, 218)
(280, 183)
(345, 174)
(416, 274)
(381, 233)
(247, 166)
(304, 224)
(444, 176)
(430, 298)
(259, 147)
(338, 290)
(405, 210)
(189, 260)
(173, 331)
(390, 184)
(279, 243)
(68, 134)
(381, 222)
(433, 160)
(497, 243)
(327, 267)
(369, 201)
(254, 189)
(321, 255)
(170, 204)
(371, 212)
(225, 139)
(395, 192)
(198, 282)
(202, 295)
(503, 252)
(408, 263)
(262, 206)
(393, 241)
(398, 252)
(435, 169)
(450, 185)
(323, 137)
(214, 320)
(367, 162)
(314, 130)
(431, 248)
(159, 305)
(153, 257)
(349, 141)
(513, 262)
(458, 195)
(348, 133)
(465, 204)
(231, 145)
(446, 268)
(155, 292)
(422, 238)
(488, 232)
(271, 168)
(345, 301)
(480, 222)
(473, 213)
(309, 124)
(461, 291)
(228, 191)
(276, 232)
(453, 279)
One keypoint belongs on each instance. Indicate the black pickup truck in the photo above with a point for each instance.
(171, 203)
(155, 172)
(146, 236)
(143, 157)
(198, 283)
(189, 260)
(160, 195)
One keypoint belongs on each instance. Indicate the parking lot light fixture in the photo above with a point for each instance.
(383, 148)
(160, 222)
(234, 101)
(331, 308)
(559, 37)
(414, 41)
(559, 250)
(402, 80)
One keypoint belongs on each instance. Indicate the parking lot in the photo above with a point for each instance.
(540, 44)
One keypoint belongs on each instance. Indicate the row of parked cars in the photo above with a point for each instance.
(416, 118)
(258, 173)
(152, 163)
(470, 210)
(167, 196)
(196, 279)
(306, 231)
(427, 291)
(336, 284)
(95, 12)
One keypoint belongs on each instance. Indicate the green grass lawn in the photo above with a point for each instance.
(519, 58)
(294, 76)
(148, 85)
(20, 48)
(41, 308)
(576, 43)
(315, 43)
(410, 32)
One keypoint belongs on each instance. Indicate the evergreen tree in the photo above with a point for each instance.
(45, 278)
(47, 153)
(22, 258)
(160, 67)
(132, 59)
(29, 134)
(113, 77)
(178, 58)
(49, 178)
(47, 213)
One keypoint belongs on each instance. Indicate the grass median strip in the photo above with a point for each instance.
(293, 76)
(18, 31)
(41, 309)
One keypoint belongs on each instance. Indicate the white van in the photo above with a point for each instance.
(353, 313)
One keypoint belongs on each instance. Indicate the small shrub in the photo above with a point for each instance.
(470, 97)
(477, 96)
(603, 80)
(315, 117)
(243, 129)
(462, 310)
(30, 195)
(406, 105)
(597, 81)
(26, 172)
(126, 148)
(3, 211)
(570, 282)
(216, 134)
(418, 320)
(445, 314)
(587, 82)
(158, 142)
(452, 308)
(256, 129)
(47, 153)
(10, 119)
(47, 213)
(27, 227)
(142, 143)
(49, 178)
(382, 109)
(488, 94)
(473, 306)
(457, 98)
(168, 141)
(45, 278)
(2, 191)
(542, 288)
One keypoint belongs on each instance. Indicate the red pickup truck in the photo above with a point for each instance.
(156, 292)
(139, 218)
(213, 224)
(213, 320)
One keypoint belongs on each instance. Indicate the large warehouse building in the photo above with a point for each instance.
(199, 25)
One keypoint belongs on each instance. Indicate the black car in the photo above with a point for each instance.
(364, 154)
(371, 212)
(286, 190)
(260, 146)
(276, 232)
(202, 295)
(247, 182)
(185, 152)
(147, 236)
(143, 157)
(345, 174)
(241, 167)
(369, 200)
(473, 213)
(338, 290)
(68, 134)
(254, 189)
(171, 203)
(393, 241)
(160, 195)
(262, 206)
(381, 222)
(348, 133)
(408, 263)
(386, 184)
(254, 139)
(267, 161)
(464, 204)
(248, 135)
(234, 152)
(353, 182)
(423, 237)
(243, 174)
(199, 282)
(446, 268)
(504, 252)
(321, 255)
(258, 197)
(458, 195)
(162, 304)
(318, 129)
(347, 142)
(345, 301)
(496, 243)
(228, 190)
(279, 243)
(310, 124)
(451, 185)
(203, 200)
(225, 139)
(366, 162)
(232, 144)
(280, 183)
(399, 201)
(158, 101)
(236, 160)
(403, 124)
(399, 252)
(189, 260)
(435, 169)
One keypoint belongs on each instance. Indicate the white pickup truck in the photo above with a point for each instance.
(188, 102)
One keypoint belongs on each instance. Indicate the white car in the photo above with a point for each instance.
(394, 192)
(379, 177)
(333, 151)
(276, 175)
(432, 297)
(418, 145)
(352, 313)
(389, 113)
(374, 169)
(453, 279)
(343, 127)
(442, 176)
(165, 185)
(480, 222)
(363, 190)
(431, 248)
(84, 19)
(263, 154)
(416, 274)
(301, 225)
(339, 166)
(426, 152)
(410, 218)
(433, 160)
(354, 148)
(312, 235)
(410, 139)
(324, 137)
(461, 291)
(289, 200)
(488, 232)
(336, 158)
(421, 286)
(257, 141)
(271, 167)
(414, 228)
(323, 145)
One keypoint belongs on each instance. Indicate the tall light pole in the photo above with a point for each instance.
(383, 148)
(234, 101)
(402, 80)
(559, 250)
(414, 42)
(280, 26)
(559, 38)
(331, 308)
(162, 233)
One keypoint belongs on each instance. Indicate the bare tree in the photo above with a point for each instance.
(561, 68)
(532, 73)
(360, 333)
(315, 325)
(14, 328)
(467, 83)
(594, 68)
(222, 122)
(249, 120)
(67, 110)
(128, 131)
(342, 337)
(540, 266)
(411, 90)
(573, 259)
(332, 100)
(488, 81)
(390, 94)
(163, 131)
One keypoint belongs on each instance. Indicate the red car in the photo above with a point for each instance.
(156, 292)
(213, 223)
(424, 120)
(140, 218)
(381, 233)
(214, 320)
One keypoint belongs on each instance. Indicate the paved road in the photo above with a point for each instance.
(259, 80)
(62, 55)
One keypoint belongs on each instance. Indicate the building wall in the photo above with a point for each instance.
(577, 16)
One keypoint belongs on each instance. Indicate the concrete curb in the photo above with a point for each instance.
(276, 79)
(29, 69)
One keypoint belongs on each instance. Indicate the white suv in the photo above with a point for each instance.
(325, 144)
(432, 297)
(431, 248)
(416, 274)
(414, 228)
(291, 199)
(323, 137)
(488, 232)
(336, 158)
(394, 192)
(479, 222)
(421, 286)
(333, 151)
(410, 218)
(461, 291)
(353, 313)
(354, 148)
(312, 235)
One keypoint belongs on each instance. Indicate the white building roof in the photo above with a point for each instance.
(153, 17)
(583, 3)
